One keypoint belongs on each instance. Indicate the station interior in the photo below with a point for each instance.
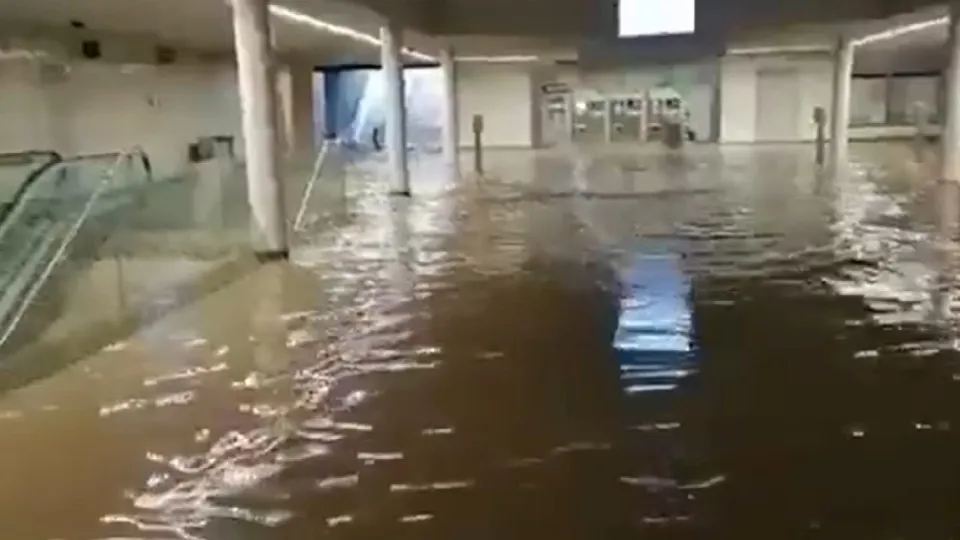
(480, 269)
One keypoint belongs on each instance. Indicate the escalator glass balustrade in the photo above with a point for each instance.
(54, 220)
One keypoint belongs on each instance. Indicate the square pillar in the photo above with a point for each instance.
(950, 139)
(251, 30)
(840, 106)
(396, 128)
(451, 121)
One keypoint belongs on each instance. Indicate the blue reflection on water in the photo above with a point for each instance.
(653, 333)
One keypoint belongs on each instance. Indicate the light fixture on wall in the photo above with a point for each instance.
(779, 49)
(898, 31)
(298, 17)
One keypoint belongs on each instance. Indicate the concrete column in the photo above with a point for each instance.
(396, 128)
(840, 105)
(296, 111)
(451, 121)
(259, 117)
(950, 164)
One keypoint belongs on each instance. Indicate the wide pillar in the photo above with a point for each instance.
(840, 105)
(451, 123)
(296, 112)
(950, 139)
(396, 128)
(251, 28)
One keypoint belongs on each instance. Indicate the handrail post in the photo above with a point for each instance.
(478, 144)
(314, 176)
(820, 120)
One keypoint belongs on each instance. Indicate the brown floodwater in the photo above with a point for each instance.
(465, 365)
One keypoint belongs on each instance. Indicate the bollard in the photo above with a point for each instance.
(478, 144)
(919, 137)
(820, 119)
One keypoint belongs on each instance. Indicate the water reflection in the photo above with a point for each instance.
(731, 346)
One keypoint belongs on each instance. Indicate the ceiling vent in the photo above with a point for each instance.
(90, 49)
(164, 55)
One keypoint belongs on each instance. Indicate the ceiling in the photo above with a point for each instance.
(473, 27)
(596, 18)
(204, 25)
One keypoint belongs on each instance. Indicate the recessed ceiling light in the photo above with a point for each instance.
(298, 17)
(811, 48)
(505, 59)
(901, 30)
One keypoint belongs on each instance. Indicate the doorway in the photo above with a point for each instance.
(778, 105)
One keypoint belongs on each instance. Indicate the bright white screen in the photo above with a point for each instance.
(656, 17)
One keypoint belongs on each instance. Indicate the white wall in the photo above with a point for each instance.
(504, 95)
(738, 92)
(873, 133)
(91, 107)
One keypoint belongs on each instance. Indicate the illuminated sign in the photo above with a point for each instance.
(655, 18)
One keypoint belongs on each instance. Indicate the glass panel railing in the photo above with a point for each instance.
(55, 227)
(96, 253)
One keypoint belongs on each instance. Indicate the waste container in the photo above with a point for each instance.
(674, 127)
(673, 133)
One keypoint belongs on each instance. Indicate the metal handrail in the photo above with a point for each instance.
(28, 155)
(54, 158)
(20, 195)
(144, 159)
(308, 191)
(123, 158)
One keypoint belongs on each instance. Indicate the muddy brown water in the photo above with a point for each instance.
(453, 367)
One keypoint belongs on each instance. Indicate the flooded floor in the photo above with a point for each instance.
(471, 364)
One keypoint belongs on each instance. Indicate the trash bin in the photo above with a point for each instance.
(673, 134)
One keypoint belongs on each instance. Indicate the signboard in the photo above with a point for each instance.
(555, 88)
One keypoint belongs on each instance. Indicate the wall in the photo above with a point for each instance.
(872, 133)
(504, 95)
(886, 107)
(55, 99)
(694, 83)
(91, 107)
(738, 92)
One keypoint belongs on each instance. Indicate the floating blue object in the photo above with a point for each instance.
(653, 331)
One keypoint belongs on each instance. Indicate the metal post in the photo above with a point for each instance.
(478, 144)
(820, 120)
(451, 127)
(259, 119)
(396, 136)
(645, 116)
(920, 130)
(840, 105)
(950, 164)
(607, 121)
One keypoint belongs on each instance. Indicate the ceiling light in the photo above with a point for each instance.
(499, 59)
(780, 49)
(900, 30)
(298, 17)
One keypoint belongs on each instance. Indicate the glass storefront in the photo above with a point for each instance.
(354, 106)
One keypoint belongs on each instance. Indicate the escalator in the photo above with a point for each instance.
(55, 218)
